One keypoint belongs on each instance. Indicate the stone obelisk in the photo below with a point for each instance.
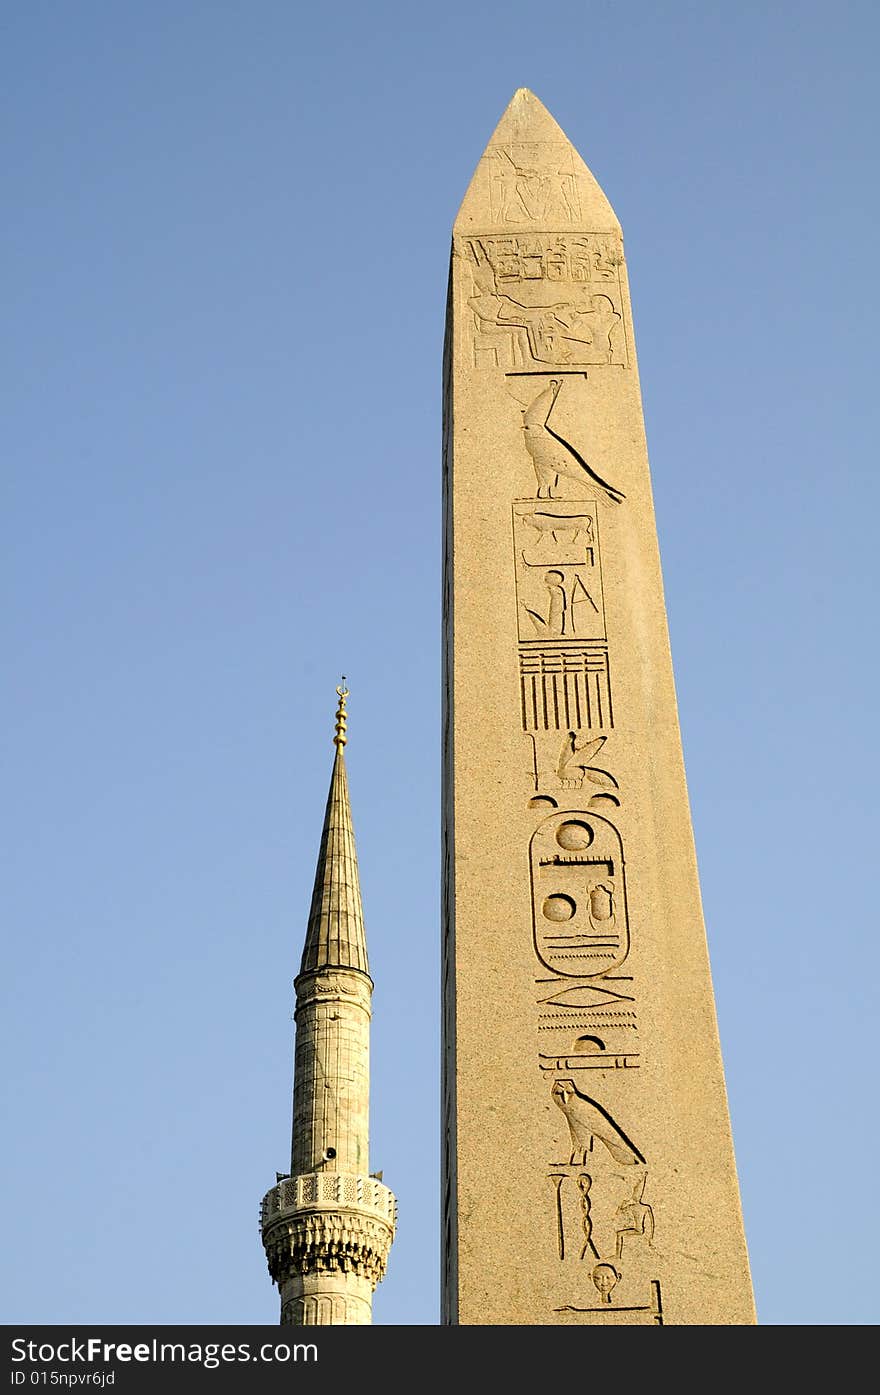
(589, 1166)
(328, 1224)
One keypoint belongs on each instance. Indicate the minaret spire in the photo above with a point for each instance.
(328, 1225)
(335, 932)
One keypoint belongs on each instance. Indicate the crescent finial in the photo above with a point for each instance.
(341, 716)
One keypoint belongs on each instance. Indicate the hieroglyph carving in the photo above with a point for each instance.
(606, 1278)
(558, 574)
(588, 1121)
(575, 764)
(604, 1228)
(564, 687)
(579, 911)
(571, 765)
(635, 1217)
(594, 1058)
(539, 302)
(545, 298)
(532, 182)
(553, 456)
(586, 1005)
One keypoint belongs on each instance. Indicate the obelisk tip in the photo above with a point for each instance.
(530, 175)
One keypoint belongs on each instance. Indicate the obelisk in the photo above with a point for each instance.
(589, 1172)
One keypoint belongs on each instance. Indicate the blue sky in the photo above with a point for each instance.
(224, 244)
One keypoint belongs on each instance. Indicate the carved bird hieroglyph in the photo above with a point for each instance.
(572, 772)
(551, 455)
(588, 1120)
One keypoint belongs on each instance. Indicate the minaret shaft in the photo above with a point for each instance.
(331, 1093)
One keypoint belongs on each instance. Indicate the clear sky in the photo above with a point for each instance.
(225, 243)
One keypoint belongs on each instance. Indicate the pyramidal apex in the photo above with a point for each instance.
(526, 118)
(531, 176)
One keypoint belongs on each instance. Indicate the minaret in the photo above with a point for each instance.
(327, 1227)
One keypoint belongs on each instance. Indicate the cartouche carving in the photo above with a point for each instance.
(579, 909)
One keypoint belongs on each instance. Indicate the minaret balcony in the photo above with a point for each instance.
(328, 1222)
(329, 1191)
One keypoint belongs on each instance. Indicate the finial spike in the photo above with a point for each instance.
(341, 716)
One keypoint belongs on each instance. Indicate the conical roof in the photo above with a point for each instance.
(335, 935)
